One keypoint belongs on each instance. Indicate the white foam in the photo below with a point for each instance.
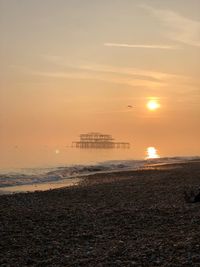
(39, 176)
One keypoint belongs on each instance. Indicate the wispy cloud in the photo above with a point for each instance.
(86, 74)
(114, 74)
(179, 28)
(134, 72)
(143, 77)
(134, 77)
(165, 47)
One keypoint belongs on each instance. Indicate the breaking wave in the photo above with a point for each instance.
(39, 176)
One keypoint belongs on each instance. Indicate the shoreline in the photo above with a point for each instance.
(28, 188)
(133, 218)
(77, 179)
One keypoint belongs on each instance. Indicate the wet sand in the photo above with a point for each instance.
(39, 186)
(132, 218)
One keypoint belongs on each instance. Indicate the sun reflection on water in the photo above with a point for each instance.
(152, 153)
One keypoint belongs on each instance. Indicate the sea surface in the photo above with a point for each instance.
(43, 178)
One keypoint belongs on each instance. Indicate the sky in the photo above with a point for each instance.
(73, 66)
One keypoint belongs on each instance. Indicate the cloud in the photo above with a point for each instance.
(179, 28)
(86, 74)
(101, 72)
(144, 78)
(166, 47)
(134, 77)
(134, 72)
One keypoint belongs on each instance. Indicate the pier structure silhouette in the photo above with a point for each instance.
(98, 141)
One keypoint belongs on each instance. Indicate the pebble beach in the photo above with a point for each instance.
(129, 218)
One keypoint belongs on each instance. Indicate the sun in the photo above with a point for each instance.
(153, 105)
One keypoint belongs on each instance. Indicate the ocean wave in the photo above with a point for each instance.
(39, 176)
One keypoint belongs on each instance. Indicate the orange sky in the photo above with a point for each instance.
(69, 67)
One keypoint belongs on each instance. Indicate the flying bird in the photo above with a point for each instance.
(130, 106)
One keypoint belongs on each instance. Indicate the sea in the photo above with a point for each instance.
(68, 167)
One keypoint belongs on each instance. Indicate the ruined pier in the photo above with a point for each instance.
(98, 141)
